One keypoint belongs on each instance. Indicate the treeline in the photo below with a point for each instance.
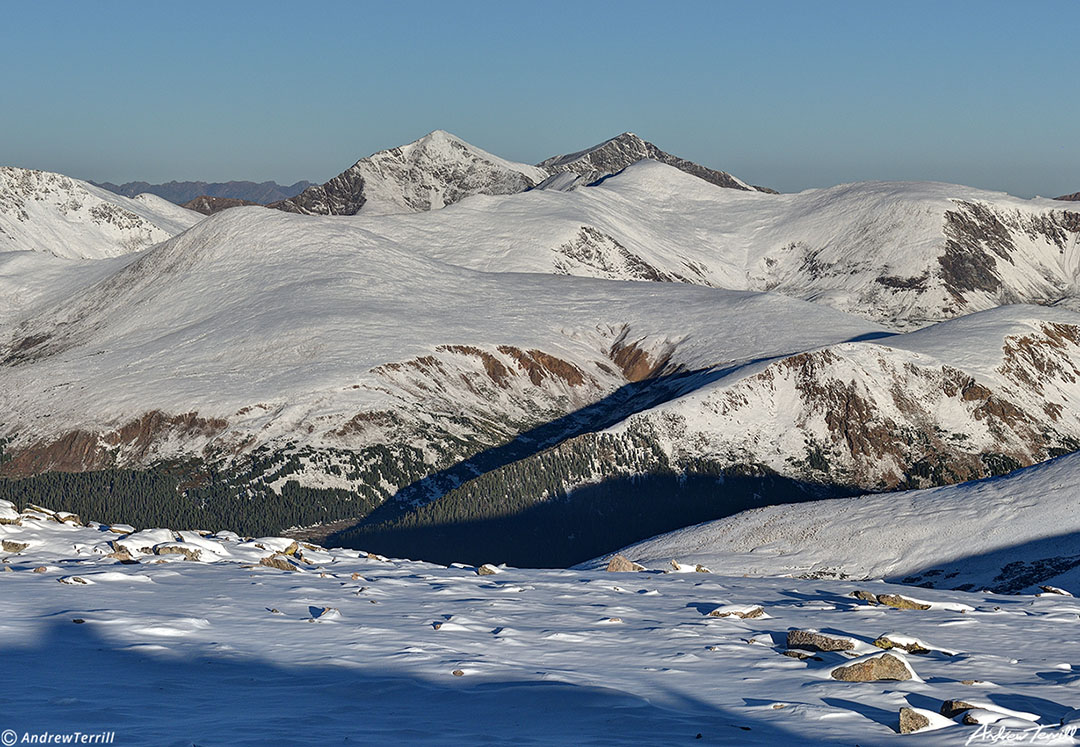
(154, 498)
(523, 514)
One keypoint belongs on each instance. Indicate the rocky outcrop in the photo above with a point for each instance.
(209, 205)
(911, 720)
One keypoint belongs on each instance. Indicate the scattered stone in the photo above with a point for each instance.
(41, 569)
(1055, 590)
(357, 577)
(873, 668)
(6, 569)
(699, 568)
(901, 603)
(189, 553)
(73, 580)
(13, 546)
(68, 518)
(742, 611)
(458, 673)
(275, 611)
(865, 596)
(120, 553)
(279, 561)
(801, 655)
(78, 621)
(953, 708)
(121, 529)
(972, 682)
(907, 643)
(487, 569)
(911, 720)
(622, 564)
(812, 640)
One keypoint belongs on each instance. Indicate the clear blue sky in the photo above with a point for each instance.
(786, 94)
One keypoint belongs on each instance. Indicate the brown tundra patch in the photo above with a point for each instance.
(539, 366)
(81, 450)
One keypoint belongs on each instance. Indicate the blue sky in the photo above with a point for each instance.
(786, 94)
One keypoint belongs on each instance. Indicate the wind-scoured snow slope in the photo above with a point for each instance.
(1007, 533)
(436, 170)
(905, 254)
(262, 328)
(45, 212)
(214, 639)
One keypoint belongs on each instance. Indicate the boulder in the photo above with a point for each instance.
(13, 546)
(873, 668)
(279, 561)
(953, 708)
(1055, 590)
(487, 569)
(812, 640)
(866, 596)
(911, 720)
(622, 564)
(901, 603)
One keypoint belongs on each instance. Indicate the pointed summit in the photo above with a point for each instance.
(616, 154)
(437, 170)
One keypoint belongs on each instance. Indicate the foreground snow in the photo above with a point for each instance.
(1008, 533)
(225, 650)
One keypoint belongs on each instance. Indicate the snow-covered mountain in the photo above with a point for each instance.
(45, 212)
(277, 348)
(614, 155)
(901, 254)
(436, 170)
(1008, 534)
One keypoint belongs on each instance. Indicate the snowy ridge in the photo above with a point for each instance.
(1010, 533)
(254, 635)
(45, 212)
(901, 254)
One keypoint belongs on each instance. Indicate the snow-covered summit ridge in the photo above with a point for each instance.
(614, 155)
(45, 212)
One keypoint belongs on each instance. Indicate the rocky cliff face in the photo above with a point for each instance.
(208, 205)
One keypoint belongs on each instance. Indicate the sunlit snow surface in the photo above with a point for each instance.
(352, 649)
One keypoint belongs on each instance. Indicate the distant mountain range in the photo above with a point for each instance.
(440, 169)
(260, 193)
(1075, 196)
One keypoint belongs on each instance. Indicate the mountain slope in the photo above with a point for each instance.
(46, 212)
(179, 193)
(436, 170)
(614, 155)
(1006, 534)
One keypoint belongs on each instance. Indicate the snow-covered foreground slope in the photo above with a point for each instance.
(903, 254)
(45, 212)
(267, 640)
(1007, 533)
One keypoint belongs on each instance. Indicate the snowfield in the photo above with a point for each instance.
(258, 640)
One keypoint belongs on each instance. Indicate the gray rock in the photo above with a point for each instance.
(911, 720)
(811, 640)
(884, 667)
